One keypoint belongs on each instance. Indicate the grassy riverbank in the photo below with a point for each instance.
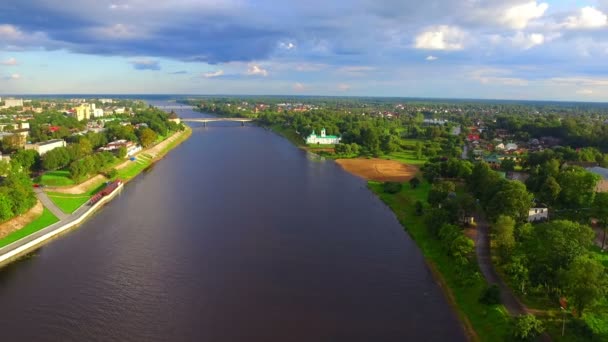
(482, 322)
(46, 219)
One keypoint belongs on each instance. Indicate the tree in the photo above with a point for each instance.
(392, 187)
(512, 199)
(504, 236)
(122, 152)
(600, 212)
(508, 164)
(147, 137)
(418, 150)
(440, 191)
(435, 218)
(553, 246)
(491, 295)
(527, 327)
(518, 272)
(6, 207)
(27, 159)
(584, 282)
(549, 191)
(456, 244)
(577, 187)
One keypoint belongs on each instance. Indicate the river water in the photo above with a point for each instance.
(235, 236)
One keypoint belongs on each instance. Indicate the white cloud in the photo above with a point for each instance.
(119, 6)
(310, 67)
(501, 77)
(14, 77)
(441, 37)
(343, 87)
(299, 86)
(256, 70)
(287, 46)
(527, 41)
(431, 58)
(9, 32)
(9, 61)
(587, 18)
(518, 16)
(580, 81)
(213, 74)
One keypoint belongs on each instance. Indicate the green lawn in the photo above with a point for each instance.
(45, 220)
(68, 203)
(406, 157)
(313, 146)
(290, 134)
(491, 323)
(55, 178)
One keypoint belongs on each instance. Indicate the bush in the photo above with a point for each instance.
(419, 208)
(527, 327)
(112, 173)
(392, 187)
(491, 295)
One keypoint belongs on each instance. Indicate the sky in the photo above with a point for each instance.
(490, 49)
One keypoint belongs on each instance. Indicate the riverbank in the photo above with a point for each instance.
(480, 321)
(16, 248)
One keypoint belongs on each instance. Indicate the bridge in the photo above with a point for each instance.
(205, 120)
(175, 107)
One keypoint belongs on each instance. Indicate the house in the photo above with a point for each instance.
(132, 148)
(98, 112)
(44, 147)
(538, 214)
(511, 147)
(323, 138)
(500, 147)
(493, 160)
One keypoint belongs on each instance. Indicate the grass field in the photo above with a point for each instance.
(406, 157)
(68, 203)
(45, 220)
(55, 178)
(290, 134)
(490, 323)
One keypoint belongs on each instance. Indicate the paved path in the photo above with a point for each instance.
(46, 201)
(484, 258)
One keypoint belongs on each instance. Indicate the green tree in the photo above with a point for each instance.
(440, 191)
(584, 282)
(27, 159)
(147, 137)
(418, 150)
(553, 246)
(504, 236)
(527, 327)
(518, 271)
(122, 152)
(6, 207)
(508, 164)
(414, 182)
(600, 212)
(549, 191)
(512, 199)
(577, 187)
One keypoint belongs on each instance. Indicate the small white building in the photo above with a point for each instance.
(323, 139)
(511, 147)
(500, 147)
(538, 214)
(44, 147)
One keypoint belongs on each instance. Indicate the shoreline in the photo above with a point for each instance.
(24, 246)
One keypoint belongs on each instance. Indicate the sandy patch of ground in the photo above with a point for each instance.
(80, 188)
(379, 169)
(21, 221)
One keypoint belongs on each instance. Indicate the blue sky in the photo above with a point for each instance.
(508, 49)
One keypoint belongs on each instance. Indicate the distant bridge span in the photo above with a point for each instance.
(205, 120)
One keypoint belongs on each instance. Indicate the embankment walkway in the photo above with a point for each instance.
(37, 239)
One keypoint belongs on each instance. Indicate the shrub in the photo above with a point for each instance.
(392, 187)
(419, 208)
(491, 295)
(527, 327)
(112, 173)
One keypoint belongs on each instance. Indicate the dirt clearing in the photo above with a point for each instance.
(379, 169)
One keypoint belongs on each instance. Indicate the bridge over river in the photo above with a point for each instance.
(215, 119)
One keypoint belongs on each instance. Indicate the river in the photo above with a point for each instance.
(235, 236)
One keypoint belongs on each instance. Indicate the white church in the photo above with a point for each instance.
(322, 139)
